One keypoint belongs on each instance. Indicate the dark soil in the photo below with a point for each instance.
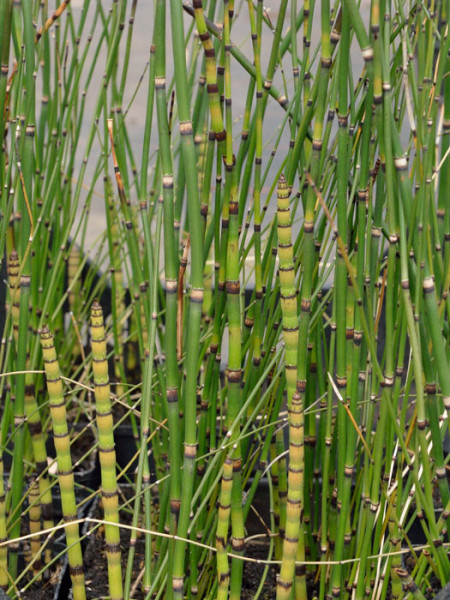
(253, 573)
(45, 590)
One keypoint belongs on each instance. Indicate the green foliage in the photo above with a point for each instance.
(302, 353)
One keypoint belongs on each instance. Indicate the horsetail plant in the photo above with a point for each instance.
(288, 300)
(195, 298)
(4, 580)
(107, 452)
(64, 461)
(324, 317)
(35, 527)
(223, 567)
(170, 274)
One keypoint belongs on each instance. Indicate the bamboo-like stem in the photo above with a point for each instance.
(73, 281)
(211, 73)
(409, 585)
(288, 291)
(180, 298)
(149, 113)
(196, 294)
(3, 537)
(223, 566)
(171, 282)
(294, 500)
(255, 25)
(272, 90)
(51, 20)
(35, 527)
(394, 539)
(107, 452)
(33, 416)
(5, 29)
(344, 307)
(19, 417)
(150, 364)
(296, 434)
(118, 290)
(309, 254)
(442, 365)
(234, 328)
(125, 206)
(31, 408)
(282, 484)
(14, 289)
(64, 460)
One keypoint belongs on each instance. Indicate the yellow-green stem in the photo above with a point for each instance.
(64, 461)
(107, 452)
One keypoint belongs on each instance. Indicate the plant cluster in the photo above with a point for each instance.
(267, 313)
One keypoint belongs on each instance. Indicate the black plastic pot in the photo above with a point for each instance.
(126, 457)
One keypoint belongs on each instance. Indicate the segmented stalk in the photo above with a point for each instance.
(211, 73)
(74, 287)
(344, 298)
(13, 279)
(13, 275)
(223, 567)
(395, 541)
(170, 267)
(31, 407)
(196, 294)
(64, 461)
(125, 205)
(19, 420)
(234, 328)
(73, 281)
(409, 585)
(49, 22)
(107, 452)
(3, 536)
(33, 416)
(5, 28)
(296, 434)
(276, 500)
(35, 525)
(282, 481)
(442, 363)
(257, 216)
(288, 293)
(117, 293)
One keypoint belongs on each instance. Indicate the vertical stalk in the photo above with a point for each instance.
(234, 328)
(35, 527)
(5, 37)
(223, 567)
(64, 460)
(171, 282)
(345, 432)
(107, 452)
(3, 537)
(196, 294)
(19, 419)
(257, 42)
(288, 301)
